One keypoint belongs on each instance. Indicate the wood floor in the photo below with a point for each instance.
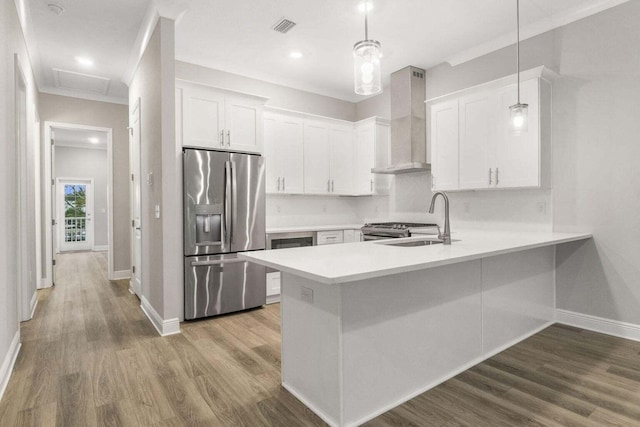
(90, 357)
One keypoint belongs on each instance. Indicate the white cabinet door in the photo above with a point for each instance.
(291, 155)
(273, 283)
(283, 150)
(444, 145)
(381, 183)
(517, 158)
(272, 160)
(202, 117)
(365, 159)
(342, 159)
(317, 178)
(243, 125)
(477, 132)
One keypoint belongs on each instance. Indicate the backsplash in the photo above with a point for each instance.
(283, 211)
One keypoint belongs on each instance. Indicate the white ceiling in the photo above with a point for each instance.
(79, 138)
(236, 36)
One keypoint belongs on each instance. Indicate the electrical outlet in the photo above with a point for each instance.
(542, 207)
(306, 294)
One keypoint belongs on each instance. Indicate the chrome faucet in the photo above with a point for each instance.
(446, 236)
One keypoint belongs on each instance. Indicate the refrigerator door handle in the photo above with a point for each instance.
(227, 202)
(234, 197)
(216, 262)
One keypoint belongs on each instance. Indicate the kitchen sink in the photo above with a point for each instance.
(411, 243)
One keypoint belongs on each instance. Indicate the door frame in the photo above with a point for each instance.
(90, 206)
(136, 267)
(47, 280)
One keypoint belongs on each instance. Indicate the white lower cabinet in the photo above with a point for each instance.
(329, 237)
(273, 287)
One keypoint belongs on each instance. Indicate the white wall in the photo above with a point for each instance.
(63, 109)
(154, 84)
(74, 162)
(13, 43)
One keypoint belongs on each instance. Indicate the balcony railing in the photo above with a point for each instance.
(75, 229)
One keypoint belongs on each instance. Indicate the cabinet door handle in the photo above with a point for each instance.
(328, 186)
(283, 185)
(222, 138)
(332, 187)
(497, 176)
(372, 186)
(278, 183)
(229, 138)
(490, 176)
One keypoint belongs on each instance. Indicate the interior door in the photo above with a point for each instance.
(54, 215)
(136, 217)
(75, 208)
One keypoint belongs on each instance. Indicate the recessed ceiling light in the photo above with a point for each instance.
(295, 54)
(83, 60)
(55, 9)
(94, 140)
(361, 6)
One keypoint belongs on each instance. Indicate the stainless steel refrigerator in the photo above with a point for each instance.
(224, 208)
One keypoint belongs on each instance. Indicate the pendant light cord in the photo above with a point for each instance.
(366, 23)
(517, 45)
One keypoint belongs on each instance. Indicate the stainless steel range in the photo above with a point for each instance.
(391, 230)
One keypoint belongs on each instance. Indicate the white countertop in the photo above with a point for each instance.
(295, 228)
(349, 262)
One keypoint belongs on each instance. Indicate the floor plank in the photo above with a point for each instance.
(90, 357)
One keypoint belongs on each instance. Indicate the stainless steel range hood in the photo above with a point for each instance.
(408, 123)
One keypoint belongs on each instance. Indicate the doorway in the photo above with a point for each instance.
(75, 214)
(79, 200)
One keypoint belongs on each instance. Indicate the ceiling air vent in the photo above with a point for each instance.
(284, 25)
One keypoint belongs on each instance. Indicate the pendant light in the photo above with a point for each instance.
(519, 111)
(366, 62)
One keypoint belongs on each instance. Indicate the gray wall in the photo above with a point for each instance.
(74, 162)
(279, 96)
(596, 181)
(154, 85)
(77, 111)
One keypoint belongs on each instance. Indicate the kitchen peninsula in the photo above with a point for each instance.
(369, 325)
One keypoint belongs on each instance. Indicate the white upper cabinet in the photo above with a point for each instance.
(477, 133)
(341, 142)
(473, 146)
(444, 146)
(372, 150)
(219, 119)
(517, 158)
(283, 150)
(317, 152)
(329, 157)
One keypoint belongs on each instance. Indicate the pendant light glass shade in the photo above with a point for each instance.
(366, 62)
(366, 67)
(519, 118)
(519, 122)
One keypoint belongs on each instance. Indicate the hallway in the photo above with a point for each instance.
(90, 357)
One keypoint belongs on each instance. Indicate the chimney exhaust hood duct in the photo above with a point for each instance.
(408, 123)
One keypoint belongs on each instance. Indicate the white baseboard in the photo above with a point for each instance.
(45, 283)
(616, 328)
(327, 419)
(164, 327)
(273, 299)
(100, 248)
(9, 361)
(121, 274)
(34, 304)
